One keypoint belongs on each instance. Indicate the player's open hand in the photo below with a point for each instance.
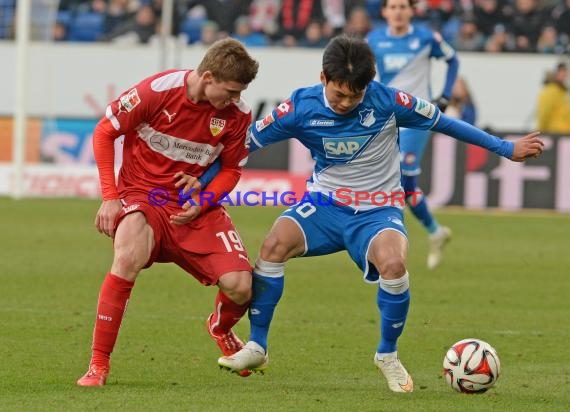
(528, 146)
(187, 182)
(105, 218)
(189, 213)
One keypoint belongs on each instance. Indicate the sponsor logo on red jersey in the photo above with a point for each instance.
(284, 108)
(404, 99)
(216, 126)
(129, 101)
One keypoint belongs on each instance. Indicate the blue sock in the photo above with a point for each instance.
(266, 294)
(418, 204)
(393, 314)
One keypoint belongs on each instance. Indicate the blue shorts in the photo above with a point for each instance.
(329, 228)
(412, 146)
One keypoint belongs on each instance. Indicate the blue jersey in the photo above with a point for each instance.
(357, 151)
(403, 62)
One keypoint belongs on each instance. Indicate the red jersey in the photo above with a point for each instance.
(165, 133)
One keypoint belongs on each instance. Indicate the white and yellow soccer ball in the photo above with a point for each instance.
(471, 366)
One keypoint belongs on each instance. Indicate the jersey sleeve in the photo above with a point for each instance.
(413, 112)
(122, 115)
(278, 125)
(440, 48)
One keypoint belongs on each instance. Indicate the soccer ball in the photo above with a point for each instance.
(471, 366)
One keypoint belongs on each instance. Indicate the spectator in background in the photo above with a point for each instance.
(461, 105)
(500, 41)
(263, 16)
(314, 36)
(138, 29)
(526, 24)
(83, 6)
(337, 13)
(435, 13)
(488, 14)
(210, 33)
(117, 14)
(358, 23)
(335, 17)
(244, 33)
(548, 41)
(223, 12)
(561, 15)
(553, 105)
(469, 38)
(294, 18)
(59, 31)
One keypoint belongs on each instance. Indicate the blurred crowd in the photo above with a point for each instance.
(468, 25)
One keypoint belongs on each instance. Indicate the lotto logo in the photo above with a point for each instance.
(284, 108)
(404, 99)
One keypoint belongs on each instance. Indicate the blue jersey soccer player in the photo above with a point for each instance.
(350, 124)
(403, 54)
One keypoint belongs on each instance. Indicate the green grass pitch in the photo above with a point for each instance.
(505, 279)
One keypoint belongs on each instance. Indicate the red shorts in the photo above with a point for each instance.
(207, 247)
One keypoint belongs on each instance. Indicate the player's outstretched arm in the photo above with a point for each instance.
(528, 146)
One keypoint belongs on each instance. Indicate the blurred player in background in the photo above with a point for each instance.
(175, 121)
(403, 54)
(350, 125)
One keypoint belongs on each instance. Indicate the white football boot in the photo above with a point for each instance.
(399, 380)
(437, 242)
(251, 357)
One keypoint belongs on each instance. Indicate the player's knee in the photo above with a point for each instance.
(393, 267)
(125, 264)
(237, 286)
(274, 249)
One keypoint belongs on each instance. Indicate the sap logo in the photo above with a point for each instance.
(321, 123)
(344, 148)
(395, 62)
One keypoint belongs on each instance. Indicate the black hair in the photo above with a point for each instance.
(349, 61)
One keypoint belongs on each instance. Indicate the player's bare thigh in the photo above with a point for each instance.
(133, 244)
(236, 286)
(388, 252)
(284, 241)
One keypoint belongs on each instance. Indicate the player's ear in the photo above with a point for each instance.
(323, 78)
(207, 77)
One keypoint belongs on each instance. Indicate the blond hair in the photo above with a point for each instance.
(228, 60)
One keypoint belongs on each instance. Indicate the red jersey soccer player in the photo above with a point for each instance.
(173, 122)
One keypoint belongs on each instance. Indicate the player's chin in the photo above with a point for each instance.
(221, 105)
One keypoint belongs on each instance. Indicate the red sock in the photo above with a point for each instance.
(227, 314)
(112, 304)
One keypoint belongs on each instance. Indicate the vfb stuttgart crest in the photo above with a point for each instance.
(216, 125)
